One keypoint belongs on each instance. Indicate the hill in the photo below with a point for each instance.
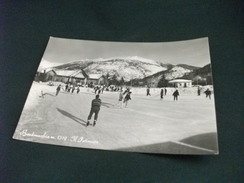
(127, 68)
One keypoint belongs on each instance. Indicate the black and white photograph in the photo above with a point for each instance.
(146, 97)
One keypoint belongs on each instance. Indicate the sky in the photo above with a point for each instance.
(193, 52)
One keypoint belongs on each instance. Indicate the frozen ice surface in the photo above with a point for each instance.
(148, 124)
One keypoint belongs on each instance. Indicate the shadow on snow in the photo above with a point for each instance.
(108, 105)
(74, 118)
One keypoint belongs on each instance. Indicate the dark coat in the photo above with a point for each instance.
(96, 103)
(176, 93)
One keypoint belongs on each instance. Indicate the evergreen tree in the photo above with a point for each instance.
(162, 82)
(113, 80)
(122, 81)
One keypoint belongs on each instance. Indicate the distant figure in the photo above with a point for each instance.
(198, 91)
(208, 93)
(95, 107)
(66, 87)
(162, 93)
(73, 89)
(96, 88)
(42, 94)
(127, 98)
(69, 87)
(99, 90)
(176, 94)
(165, 91)
(78, 89)
(148, 92)
(58, 89)
(103, 87)
(120, 102)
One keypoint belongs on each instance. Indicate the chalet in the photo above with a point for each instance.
(45, 75)
(96, 79)
(180, 83)
(72, 76)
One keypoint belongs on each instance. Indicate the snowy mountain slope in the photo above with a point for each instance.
(176, 72)
(128, 67)
(182, 71)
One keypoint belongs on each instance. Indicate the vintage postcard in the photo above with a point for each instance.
(148, 97)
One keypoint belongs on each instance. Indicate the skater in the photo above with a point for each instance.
(58, 89)
(42, 94)
(162, 94)
(69, 87)
(99, 90)
(198, 91)
(95, 107)
(165, 91)
(127, 98)
(120, 102)
(73, 89)
(96, 88)
(66, 87)
(176, 94)
(78, 89)
(103, 87)
(208, 93)
(148, 91)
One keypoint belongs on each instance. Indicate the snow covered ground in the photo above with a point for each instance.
(148, 124)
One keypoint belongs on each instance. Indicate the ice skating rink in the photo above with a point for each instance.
(148, 124)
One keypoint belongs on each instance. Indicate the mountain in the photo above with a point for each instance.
(177, 72)
(174, 71)
(189, 67)
(127, 68)
(141, 70)
(199, 75)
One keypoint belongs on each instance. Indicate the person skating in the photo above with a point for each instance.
(58, 89)
(73, 89)
(208, 93)
(176, 94)
(103, 87)
(99, 90)
(95, 108)
(120, 102)
(162, 94)
(66, 87)
(148, 91)
(127, 98)
(69, 88)
(198, 91)
(96, 88)
(165, 91)
(78, 89)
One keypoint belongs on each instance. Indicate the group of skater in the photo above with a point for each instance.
(123, 98)
(207, 92)
(69, 88)
(163, 93)
(176, 93)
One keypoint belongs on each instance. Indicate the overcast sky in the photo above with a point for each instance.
(193, 52)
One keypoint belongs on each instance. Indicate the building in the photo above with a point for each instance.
(65, 76)
(70, 76)
(96, 79)
(180, 83)
(45, 75)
